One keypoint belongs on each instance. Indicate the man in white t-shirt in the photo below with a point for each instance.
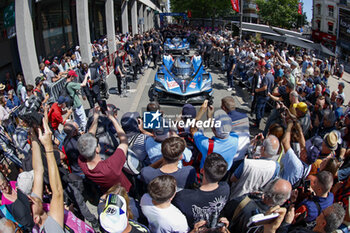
(156, 205)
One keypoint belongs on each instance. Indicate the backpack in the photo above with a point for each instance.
(64, 92)
(132, 165)
(8, 215)
(300, 219)
(107, 139)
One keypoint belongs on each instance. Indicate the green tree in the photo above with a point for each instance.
(203, 8)
(281, 13)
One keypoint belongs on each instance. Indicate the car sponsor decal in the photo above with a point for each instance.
(172, 84)
(193, 85)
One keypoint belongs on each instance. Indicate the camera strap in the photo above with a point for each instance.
(240, 207)
(210, 146)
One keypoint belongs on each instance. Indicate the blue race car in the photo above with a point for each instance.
(181, 81)
(177, 45)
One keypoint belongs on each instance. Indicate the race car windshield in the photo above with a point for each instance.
(182, 67)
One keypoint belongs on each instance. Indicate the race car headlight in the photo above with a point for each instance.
(205, 77)
(159, 85)
(206, 86)
(160, 76)
(206, 82)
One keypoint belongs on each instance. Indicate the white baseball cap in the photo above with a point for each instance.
(114, 216)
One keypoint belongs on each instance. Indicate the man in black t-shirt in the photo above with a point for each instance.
(133, 57)
(70, 147)
(155, 47)
(119, 69)
(207, 52)
(213, 194)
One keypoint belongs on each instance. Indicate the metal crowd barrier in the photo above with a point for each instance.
(55, 89)
(107, 64)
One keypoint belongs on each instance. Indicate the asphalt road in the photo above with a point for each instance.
(138, 96)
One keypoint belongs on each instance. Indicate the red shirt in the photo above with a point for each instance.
(107, 172)
(55, 116)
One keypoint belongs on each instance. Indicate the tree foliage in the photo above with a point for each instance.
(281, 13)
(203, 8)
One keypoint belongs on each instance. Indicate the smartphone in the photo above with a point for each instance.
(103, 106)
(261, 219)
(307, 184)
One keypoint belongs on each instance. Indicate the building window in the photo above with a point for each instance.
(318, 9)
(330, 27)
(331, 11)
(318, 23)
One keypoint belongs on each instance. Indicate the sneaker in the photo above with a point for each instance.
(229, 89)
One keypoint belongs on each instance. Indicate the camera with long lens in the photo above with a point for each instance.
(29, 111)
(214, 221)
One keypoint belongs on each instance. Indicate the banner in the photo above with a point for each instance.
(189, 14)
(300, 9)
(235, 5)
(344, 27)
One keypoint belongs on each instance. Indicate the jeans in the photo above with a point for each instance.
(60, 137)
(80, 118)
(260, 107)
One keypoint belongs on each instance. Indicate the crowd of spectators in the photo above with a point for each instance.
(178, 179)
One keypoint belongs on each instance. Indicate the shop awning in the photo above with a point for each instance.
(322, 49)
(291, 41)
(258, 28)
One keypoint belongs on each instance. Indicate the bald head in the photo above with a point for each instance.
(277, 192)
(271, 145)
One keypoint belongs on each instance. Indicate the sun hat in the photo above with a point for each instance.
(331, 140)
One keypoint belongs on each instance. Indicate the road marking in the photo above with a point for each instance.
(132, 90)
(140, 87)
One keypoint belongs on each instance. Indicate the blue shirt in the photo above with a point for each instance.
(305, 63)
(312, 210)
(339, 112)
(293, 168)
(227, 147)
(154, 151)
(13, 103)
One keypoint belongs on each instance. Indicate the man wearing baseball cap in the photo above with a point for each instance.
(72, 89)
(224, 142)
